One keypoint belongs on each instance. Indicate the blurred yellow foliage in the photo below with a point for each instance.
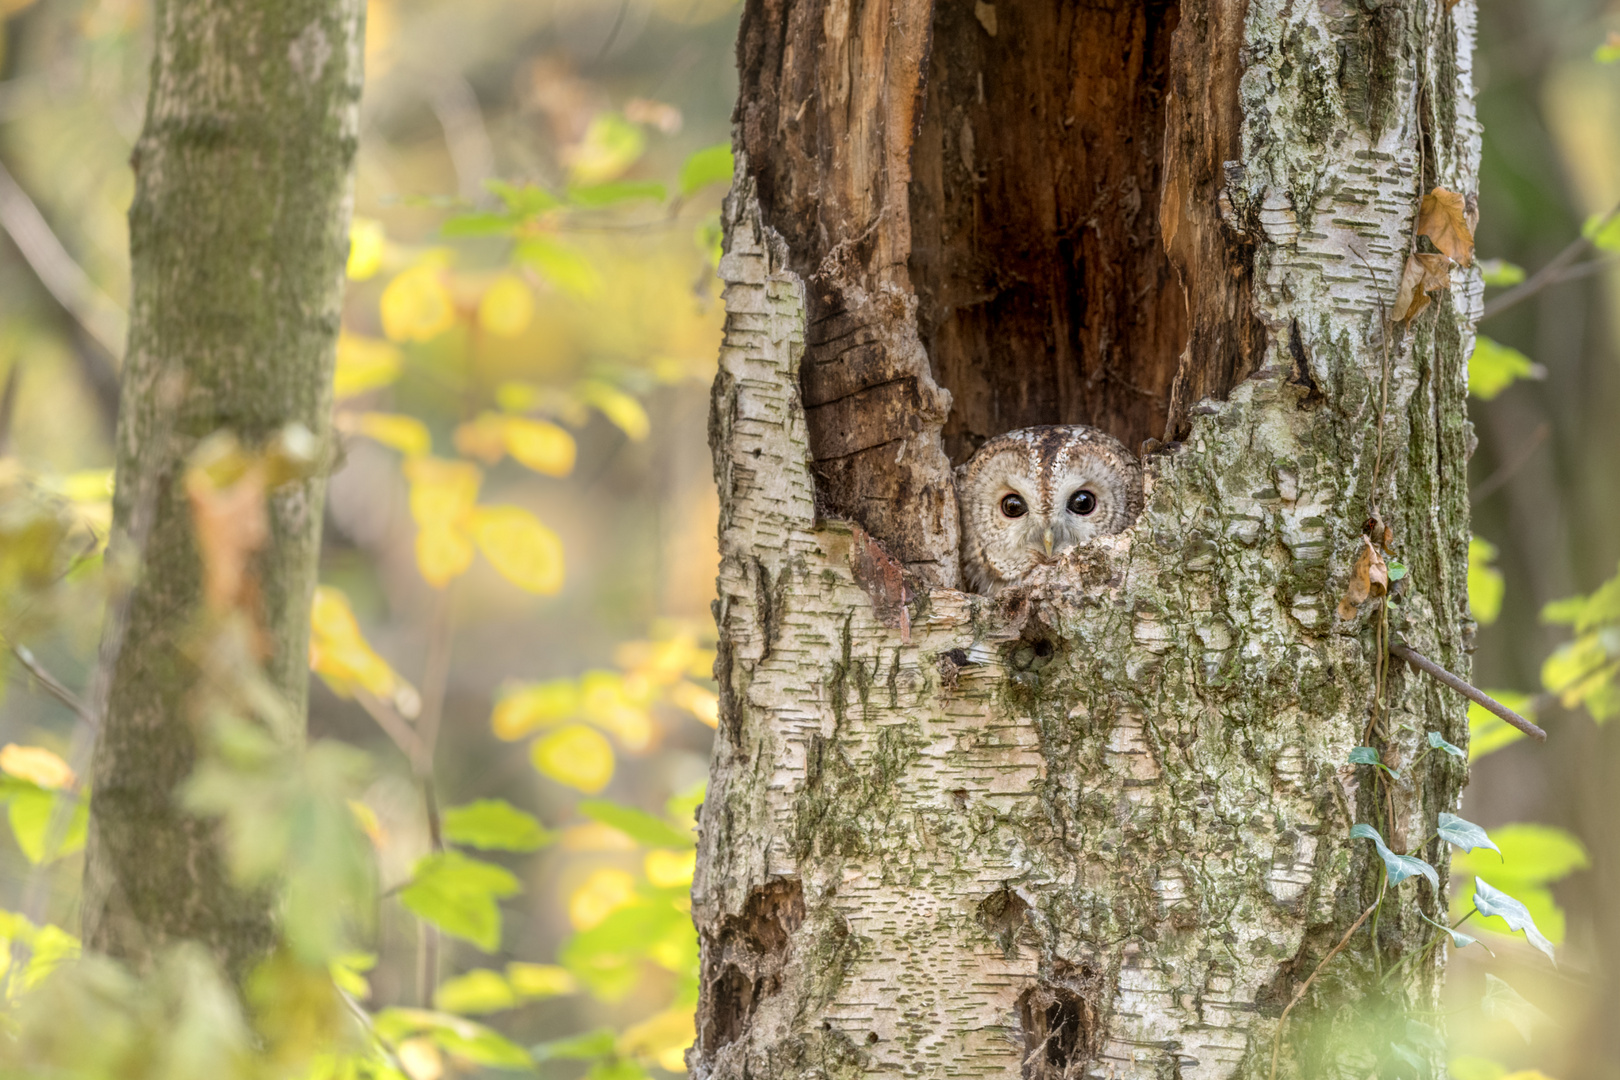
(507, 307)
(363, 364)
(523, 710)
(443, 496)
(35, 764)
(701, 703)
(576, 756)
(367, 241)
(340, 655)
(416, 305)
(604, 892)
(540, 980)
(541, 446)
(526, 553)
(419, 1057)
(670, 869)
(406, 434)
(663, 1037)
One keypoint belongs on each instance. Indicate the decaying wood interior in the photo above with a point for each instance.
(1017, 203)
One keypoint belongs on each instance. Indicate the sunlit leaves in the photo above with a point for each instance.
(663, 1037)
(639, 825)
(507, 307)
(494, 825)
(455, 1035)
(1582, 672)
(1500, 272)
(1488, 732)
(367, 242)
(559, 264)
(540, 980)
(442, 497)
(1493, 367)
(406, 434)
(459, 895)
(1492, 902)
(701, 703)
(605, 891)
(624, 411)
(33, 811)
(36, 764)
(576, 756)
(710, 165)
(611, 144)
(1603, 230)
(523, 709)
(1485, 583)
(1398, 867)
(416, 305)
(364, 364)
(597, 196)
(525, 552)
(670, 869)
(536, 444)
(341, 656)
(478, 991)
(654, 926)
(1531, 858)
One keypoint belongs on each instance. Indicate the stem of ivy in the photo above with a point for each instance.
(1299, 995)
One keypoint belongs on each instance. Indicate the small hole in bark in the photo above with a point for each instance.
(1043, 649)
(871, 1038)
(1057, 1026)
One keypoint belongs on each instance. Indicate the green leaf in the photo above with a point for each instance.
(559, 264)
(1494, 367)
(1586, 613)
(454, 1034)
(1500, 272)
(478, 991)
(593, 1044)
(711, 165)
(482, 223)
(458, 895)
(524, 200)
(1485, 585)
(618, 1069)
(638, 825)
(495, 825)
(1492, 901)
(1502, 1002)
(1474, 1068)
(29, 811)
(1364, 755)
(1605, 235)
(1438, 742)
(1399, 867)
(596, 196)
(1395, 569)
(1464, 834)
(1608, 52)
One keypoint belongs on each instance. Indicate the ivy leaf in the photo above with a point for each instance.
(638, 825)
(494, 824)
(1399, 867)
(1397, 570)
(1464, 834)
(457, 894)
(1493, 901)
(1438, 742)
(1458, 939)
(1368, 755)
(1502, 1002)
(711, 165)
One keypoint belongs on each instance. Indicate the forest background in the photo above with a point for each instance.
(530, 330)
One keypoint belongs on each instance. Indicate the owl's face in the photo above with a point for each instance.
(1030, 495)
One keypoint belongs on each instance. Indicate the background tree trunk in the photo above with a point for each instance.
(1097, 830)
(238, 235)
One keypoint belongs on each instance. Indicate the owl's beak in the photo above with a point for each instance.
(1046, 538)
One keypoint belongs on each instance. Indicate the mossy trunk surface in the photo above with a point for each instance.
(238, 236)
(1102, 829)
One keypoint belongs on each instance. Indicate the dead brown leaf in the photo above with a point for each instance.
(1369, 577)
(1425, 273)
(1443, 218)
(231, 526)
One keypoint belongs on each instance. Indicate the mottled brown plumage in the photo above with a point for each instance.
(1030, 495)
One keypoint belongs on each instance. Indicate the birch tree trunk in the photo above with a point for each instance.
(1100, 829)
(238, 236)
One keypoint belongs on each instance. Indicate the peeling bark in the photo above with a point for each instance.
(1100, 828)
(238, 236)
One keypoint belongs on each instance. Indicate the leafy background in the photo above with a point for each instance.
(520, 538)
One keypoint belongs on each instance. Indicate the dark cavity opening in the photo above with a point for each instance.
(1057, 1032)
(1045, 292)
(743, 964)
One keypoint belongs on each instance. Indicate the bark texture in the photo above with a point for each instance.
(238, 235)
(1097, 827)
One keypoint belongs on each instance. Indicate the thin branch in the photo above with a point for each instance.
(51, 684)
(394, 726)
(1299, 995)
(1550, 274)
(1467, 690)
(62, 277)
(1505, 472)
(435, 682)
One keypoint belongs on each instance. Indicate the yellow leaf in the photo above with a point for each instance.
(339, 654)
(366, 243)
(577, 756)
(670, 869)
(483, 437)
(524, 710)
(406, 434)
(526, 553)
(545, 448)
(88, 486)
(1424, 274)
(607, 703)
(369, 823)
(36, 765)
(416, 306)
(671, 1030)
(697, 701)
(604, 892)
(540, 980)
(1443, 218)
(622, 410)
(363, 364)
(611, 144)
(507, 307)
(443, 553)
(442, 492)
(420, 1059)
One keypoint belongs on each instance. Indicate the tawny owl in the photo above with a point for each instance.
(1030, 495)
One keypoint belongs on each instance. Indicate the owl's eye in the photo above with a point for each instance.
(1082, 502)
(1014, 506)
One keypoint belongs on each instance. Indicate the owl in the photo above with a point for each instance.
(1030, 495)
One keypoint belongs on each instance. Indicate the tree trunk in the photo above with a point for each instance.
(1096, 830)
(238, 235)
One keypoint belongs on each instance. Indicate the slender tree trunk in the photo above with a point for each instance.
(1099, 830)
(238, 236)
